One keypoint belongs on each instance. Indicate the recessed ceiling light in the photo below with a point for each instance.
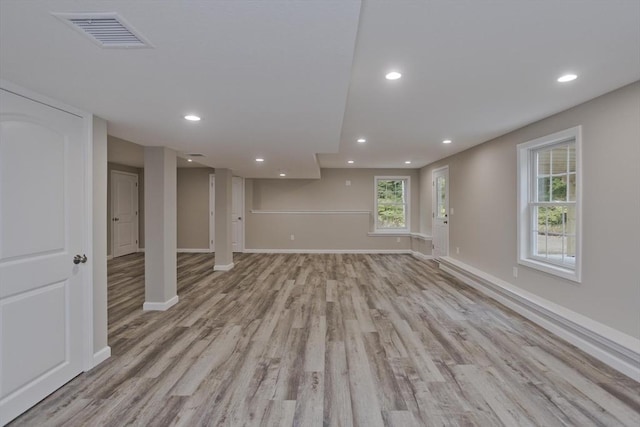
(393, 75)
(259, 160)
(361, 140)
(408, 162)
(446, 141)
(189, 160)
(567, 78)
(192, 118)
(350, 162)
(283, 174)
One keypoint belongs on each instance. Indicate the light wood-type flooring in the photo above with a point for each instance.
(334, 340)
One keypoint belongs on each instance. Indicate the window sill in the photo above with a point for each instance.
(380, 233)
(555, 270)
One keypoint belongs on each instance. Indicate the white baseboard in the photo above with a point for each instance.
(194, 251)
(160, 306)
(421, 256)
(101, 355)
(140, 249)
(616, 349)
(109, 257)
(328, 251)
(223, 267)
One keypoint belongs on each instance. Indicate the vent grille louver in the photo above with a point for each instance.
(108, 30)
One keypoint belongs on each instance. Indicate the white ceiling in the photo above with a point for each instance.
(298, 81)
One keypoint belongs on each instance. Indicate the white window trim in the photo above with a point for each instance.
(375, 206)
(525, 190)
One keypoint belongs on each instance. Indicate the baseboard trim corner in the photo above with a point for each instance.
(612, 347)
(101, 355)
(421, 256)
(160, 306)
(223, 267)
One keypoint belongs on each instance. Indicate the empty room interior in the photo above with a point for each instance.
(320, 213)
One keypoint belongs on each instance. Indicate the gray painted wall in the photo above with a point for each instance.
(321, 231)
(483, 193)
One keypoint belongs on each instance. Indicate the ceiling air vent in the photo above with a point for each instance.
(107, 29)
(195, 155)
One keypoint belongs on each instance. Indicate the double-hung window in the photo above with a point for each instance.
(392, 203)
(549, 204)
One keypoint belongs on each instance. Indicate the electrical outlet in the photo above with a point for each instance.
(397, 239)
(457, 250)
(347, 183)
(293, 237)
(515, 271)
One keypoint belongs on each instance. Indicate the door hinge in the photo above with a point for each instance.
(433, 214)
(136, 212)
(136, 184)
(433, 246)
(136, 242)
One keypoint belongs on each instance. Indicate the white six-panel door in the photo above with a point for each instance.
(42, 223)
(124, 216)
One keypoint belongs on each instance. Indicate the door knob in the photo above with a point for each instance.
(80, 259)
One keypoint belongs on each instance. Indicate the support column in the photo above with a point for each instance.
(160, 230)
(224, 250)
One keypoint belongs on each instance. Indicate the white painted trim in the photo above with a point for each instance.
(223, 267)
(328, 251)
(101, 355)
(140, 249)
(421, 256)
(160, 306)
(87, 282)
(194, 251)
(616, 349)
(110, 257)
(256, 211)
(389, 234)
(421, 236)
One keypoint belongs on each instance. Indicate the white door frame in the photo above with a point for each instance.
(112, 213)
(434, 202)
(87, 271)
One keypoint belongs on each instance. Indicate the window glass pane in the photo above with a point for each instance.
(543, 190)
(570, 220)
(570, 254)
(441, 210)
(540, 249)
(544, 162)
(572, 157)
(571, 188)
(559, 188)
(559, 160)
(391, 216)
